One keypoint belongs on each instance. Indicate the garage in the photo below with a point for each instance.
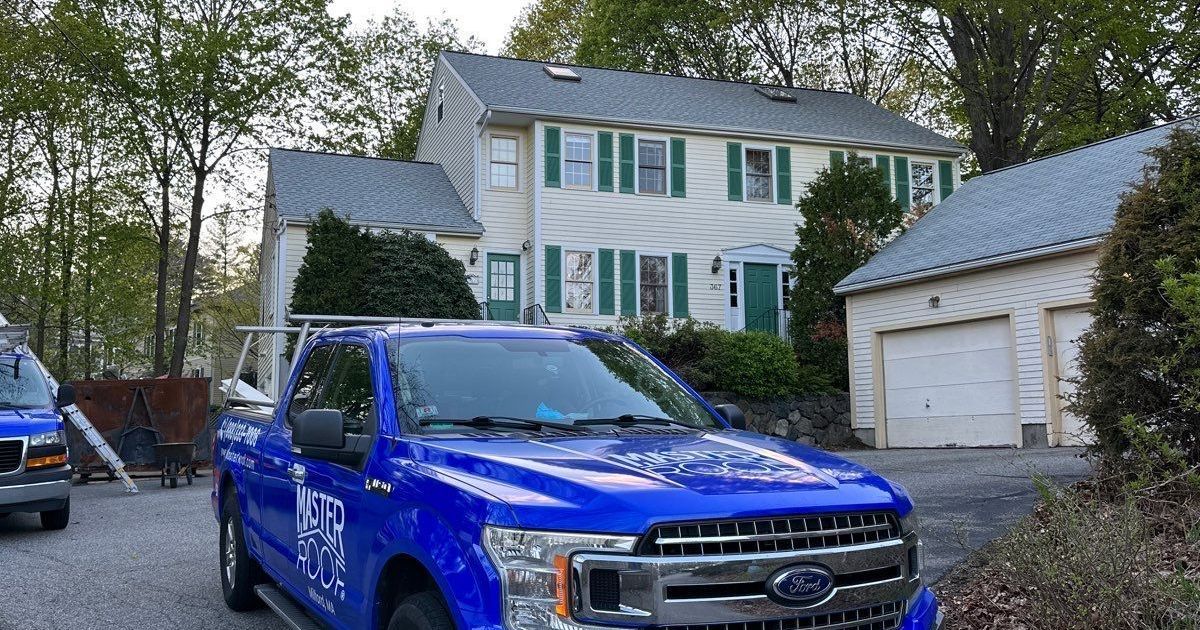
(950, 385)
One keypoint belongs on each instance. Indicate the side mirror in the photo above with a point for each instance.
(733, 415)
(66, 395)
(318, 429)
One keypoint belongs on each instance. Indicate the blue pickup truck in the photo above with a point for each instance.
(453, 475)
(34, 474)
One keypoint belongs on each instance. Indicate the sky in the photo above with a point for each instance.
(489, 20)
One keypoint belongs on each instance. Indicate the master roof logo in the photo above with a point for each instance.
(321, 553)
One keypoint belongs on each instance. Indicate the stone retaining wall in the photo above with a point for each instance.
(817, 420)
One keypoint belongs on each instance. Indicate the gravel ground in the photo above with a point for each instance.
(969, 497)
(150, 560)
(125, 561)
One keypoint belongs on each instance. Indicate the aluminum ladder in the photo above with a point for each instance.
(17, 338)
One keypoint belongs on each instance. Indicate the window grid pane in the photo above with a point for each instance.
(653, 291)
(579, 287)
(504, 175)
(577, 170)
(504, 150)
(922, 183)
(758, 174)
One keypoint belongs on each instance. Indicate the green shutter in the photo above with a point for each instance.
(884, 164)
(678, 168)
(626, 162)
(553, 153)
(946, 177)
(604, 160)
(553, 279)
(628, 282)
(783, 177)
(679, 285)
(902, 190)
(607, 297)
(837, 158)
(733, 161)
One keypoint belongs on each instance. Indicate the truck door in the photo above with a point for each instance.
(326, 518)
(277, 498)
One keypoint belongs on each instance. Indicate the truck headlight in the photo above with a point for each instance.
(50, 438)
(535, 572)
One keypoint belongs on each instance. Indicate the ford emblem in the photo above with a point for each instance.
(799, 585)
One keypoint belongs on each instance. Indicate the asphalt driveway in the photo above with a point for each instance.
(150, 561)
(968, 497)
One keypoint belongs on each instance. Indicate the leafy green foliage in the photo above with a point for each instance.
(1139, 358)
(402, 275)
(709, 358)
(847, 214)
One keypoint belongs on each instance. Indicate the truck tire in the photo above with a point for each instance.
(423, 611)
(57, 519)
(239, 572)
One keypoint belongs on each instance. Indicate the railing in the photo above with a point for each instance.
(535, 315)
(776, 321)
(484, 313)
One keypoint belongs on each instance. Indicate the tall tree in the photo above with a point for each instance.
(548, 30)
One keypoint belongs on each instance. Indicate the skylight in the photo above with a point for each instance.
(560, 73)
(775, 94)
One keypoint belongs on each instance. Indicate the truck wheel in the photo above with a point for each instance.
(423, 611)
(57, 519)
(239, 572)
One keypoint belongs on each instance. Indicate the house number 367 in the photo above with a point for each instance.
(716, 286)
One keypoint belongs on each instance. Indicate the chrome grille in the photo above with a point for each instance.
(800, 533)
(885, 616)
(11, 452)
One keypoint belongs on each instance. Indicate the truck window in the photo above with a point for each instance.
(308, 383)
(22, 385)
(350, 390)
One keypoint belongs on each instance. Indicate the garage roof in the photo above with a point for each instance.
(1023, 211)
(373, 191)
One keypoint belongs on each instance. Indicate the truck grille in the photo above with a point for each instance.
(11, 452)
(885, 616)
(801, 533)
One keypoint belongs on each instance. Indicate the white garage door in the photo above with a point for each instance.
(950, 385)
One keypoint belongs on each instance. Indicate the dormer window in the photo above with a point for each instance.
(560, 73)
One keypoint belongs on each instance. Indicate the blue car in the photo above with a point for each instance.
(454, 475)
(34, 474)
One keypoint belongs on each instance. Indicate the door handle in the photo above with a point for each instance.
(298, 474)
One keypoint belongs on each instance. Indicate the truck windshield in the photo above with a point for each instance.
(553, 380)
(22, 385)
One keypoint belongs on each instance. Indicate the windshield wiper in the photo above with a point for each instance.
(630, 419)
(509, 422)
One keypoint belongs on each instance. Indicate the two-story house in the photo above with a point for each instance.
(577, 195)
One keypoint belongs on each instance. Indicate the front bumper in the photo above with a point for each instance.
(35, 490)
(923, 613)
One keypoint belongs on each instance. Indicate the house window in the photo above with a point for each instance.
(504, 162)
(577, 171)
(758, 174)
(652, 167)
(785, 282)
(441, 100)
(922, 184)
(653, 284)
(733, 287)
(580, 282)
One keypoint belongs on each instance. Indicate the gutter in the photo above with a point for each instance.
(412, 227)
(734, 131)
(971, 265)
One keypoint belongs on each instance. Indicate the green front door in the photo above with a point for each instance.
(504, 287)
(762, 297)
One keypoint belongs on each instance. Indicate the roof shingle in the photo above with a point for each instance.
(415, 195)
(1056, 200)
(618, 95)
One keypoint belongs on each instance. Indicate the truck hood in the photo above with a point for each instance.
(625, 483)
(18, 422)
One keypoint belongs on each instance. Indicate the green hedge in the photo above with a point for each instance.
(709, 358)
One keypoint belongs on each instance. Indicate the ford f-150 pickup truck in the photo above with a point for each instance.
(455, 475)
(34, 474)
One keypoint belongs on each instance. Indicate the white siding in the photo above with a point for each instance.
(702, 224)
(295, 248)
(451, 142)
(1021, 288)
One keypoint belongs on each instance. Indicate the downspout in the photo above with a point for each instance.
(482, 124)
(279, 343)
(539, 172)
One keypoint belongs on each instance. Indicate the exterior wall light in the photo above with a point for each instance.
(716, 266)
(934, 301)
(474, 255)
(526, 246)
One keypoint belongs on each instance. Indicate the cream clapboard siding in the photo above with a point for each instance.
(295, 246)
(701, 225)
(1021, 288)
(451, 142)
